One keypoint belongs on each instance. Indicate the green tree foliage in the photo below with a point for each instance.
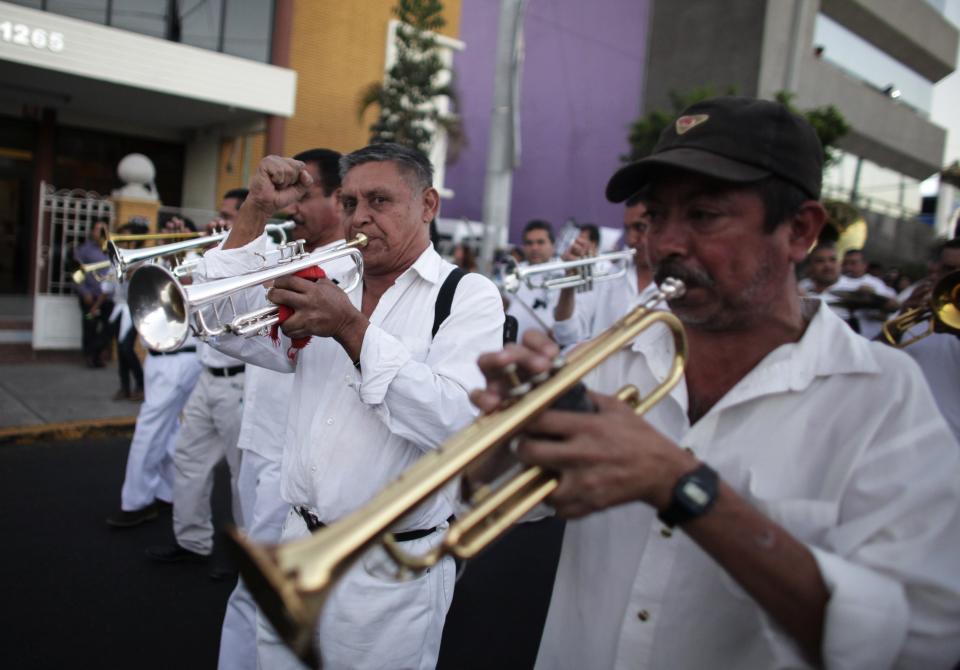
(645, 131)
(407, 96)
(827, 121)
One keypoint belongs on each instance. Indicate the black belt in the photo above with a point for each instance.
(184, 350)
(314, 524)
(226, 372)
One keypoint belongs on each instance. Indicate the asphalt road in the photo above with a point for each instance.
(78, 594)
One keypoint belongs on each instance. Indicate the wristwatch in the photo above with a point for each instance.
(693, 496)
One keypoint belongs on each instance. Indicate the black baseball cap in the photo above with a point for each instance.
(732, 139)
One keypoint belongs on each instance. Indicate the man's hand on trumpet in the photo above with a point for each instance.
(320, 308)
(602, 459)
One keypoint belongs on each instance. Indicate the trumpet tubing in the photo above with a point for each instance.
(584, 275)
(942, 312)
(164, 311)
(290, 582)
(124, 259)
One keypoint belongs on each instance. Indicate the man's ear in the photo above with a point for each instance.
(805, 227)
(431, 204)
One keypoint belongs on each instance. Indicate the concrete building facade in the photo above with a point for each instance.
(762, 47)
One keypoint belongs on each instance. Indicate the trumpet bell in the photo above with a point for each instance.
(159, 308)
(946, 301)
(942, 311)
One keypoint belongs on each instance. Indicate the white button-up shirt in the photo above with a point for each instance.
(843, 283)
(533, 307)
(833, 437)
(871, 320)
(595, 311)
(351, 431)
(938, 356)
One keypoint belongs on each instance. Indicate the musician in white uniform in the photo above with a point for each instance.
(533, 307)
(869, 321)
(373, 390)
(582, 315)
(266, 400)
(169, 378)
(211, 426)
(795, 501)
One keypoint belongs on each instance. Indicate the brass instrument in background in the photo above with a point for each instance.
(583, 274)
(150, 237)
(292, 581)
(164, 311)
(101, 271)
(123, 259)
(845, 227)
(942, 311)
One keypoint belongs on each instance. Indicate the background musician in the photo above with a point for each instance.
(533, 307)
(938, 355)
(208, 435)
(580, 316)
(266, 401)
(373, 390)
(794, 501)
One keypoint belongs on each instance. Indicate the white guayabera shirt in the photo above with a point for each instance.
(350, 431)
(596, 310)
(835, 438)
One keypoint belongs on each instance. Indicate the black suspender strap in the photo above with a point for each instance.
(445, 299)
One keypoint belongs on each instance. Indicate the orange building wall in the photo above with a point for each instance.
(338, 49)
(238, 158)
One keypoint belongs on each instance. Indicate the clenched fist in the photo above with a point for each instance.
(278, 183)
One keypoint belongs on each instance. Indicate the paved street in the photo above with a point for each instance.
(81, 595)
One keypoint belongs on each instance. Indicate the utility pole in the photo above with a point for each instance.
(504, 151)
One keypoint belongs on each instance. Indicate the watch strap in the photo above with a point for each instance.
(693, 496)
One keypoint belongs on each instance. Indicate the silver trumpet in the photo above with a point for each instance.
(538, 276)
(282, 228)
(123, 259)
(165, 311)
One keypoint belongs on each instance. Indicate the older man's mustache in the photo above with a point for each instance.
(692, 278)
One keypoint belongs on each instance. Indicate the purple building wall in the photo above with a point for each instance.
(581, 86)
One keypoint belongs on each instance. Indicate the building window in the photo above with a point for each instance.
(241, 28)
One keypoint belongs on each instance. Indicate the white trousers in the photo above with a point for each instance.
(371, 621)
(210, 429)
(168, 381)
(264, 511)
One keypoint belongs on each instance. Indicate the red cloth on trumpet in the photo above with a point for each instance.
(312, 273)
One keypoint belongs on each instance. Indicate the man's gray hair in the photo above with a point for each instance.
(413, 163)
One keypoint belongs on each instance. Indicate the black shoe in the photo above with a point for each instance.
(125, 519)
(174, 553)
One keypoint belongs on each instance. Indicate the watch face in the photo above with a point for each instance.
(695, 493)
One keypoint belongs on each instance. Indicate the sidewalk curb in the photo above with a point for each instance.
(68, 430)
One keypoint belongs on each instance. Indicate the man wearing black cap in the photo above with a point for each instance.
(794, 501)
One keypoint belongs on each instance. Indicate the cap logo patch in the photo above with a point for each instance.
(685, 123)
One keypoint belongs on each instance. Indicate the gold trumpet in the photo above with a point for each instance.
(292, 581)
(942, 311)
(101, 271)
